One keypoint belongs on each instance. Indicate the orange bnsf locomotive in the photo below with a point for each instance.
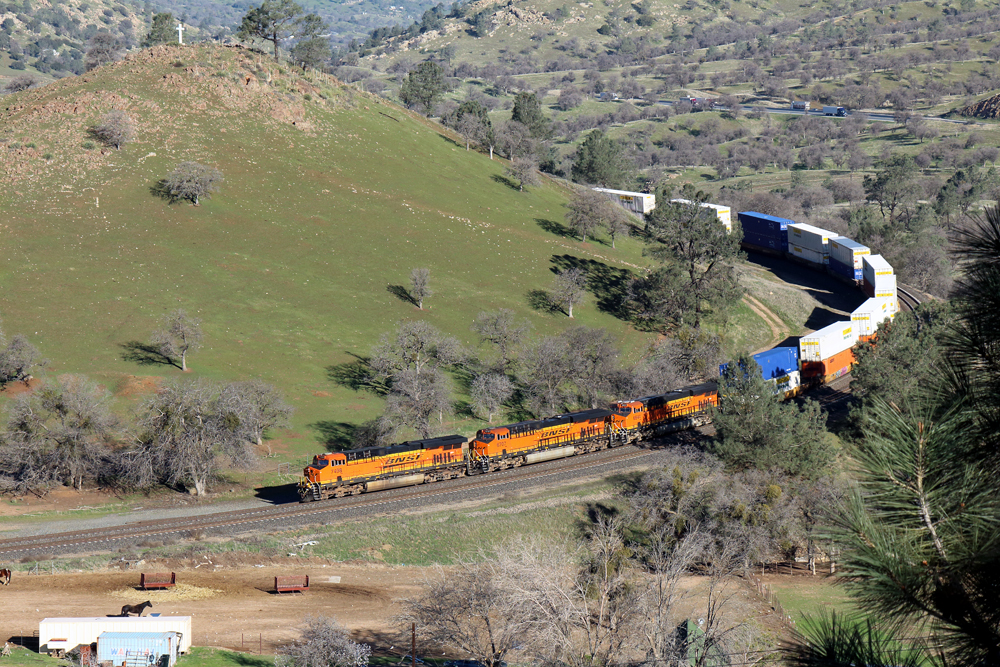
(503, 447)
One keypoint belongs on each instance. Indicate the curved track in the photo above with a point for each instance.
(294, 513)
(907, 301)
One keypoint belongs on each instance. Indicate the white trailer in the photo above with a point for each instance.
(813, 238)
(59, 635)
(637, 202)
(723, 213)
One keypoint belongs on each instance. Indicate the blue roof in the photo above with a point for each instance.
(765, 216)
(135, 635)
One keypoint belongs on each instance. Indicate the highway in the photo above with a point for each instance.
(888, 117)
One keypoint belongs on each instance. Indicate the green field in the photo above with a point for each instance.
(330, 198)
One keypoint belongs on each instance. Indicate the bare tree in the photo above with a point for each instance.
(415, 397)
(184, 432)
(569, 289)
(489, 392)
(180, 334)
(116, 128)
(410, 362)
(191, 180)
(18, 359)
(69, 424)
(546, 369)
(258, 406)
(502, 330)
(582, 603)
(102, 48)
(468, 610)
(420, 286)
(617, 223)
(524, 170)
(413, 346)
(21, 82)
(323, 643)
(593, 354)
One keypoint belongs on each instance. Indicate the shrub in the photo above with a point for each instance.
(88, 145)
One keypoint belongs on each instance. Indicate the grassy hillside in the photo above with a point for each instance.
(330, 198)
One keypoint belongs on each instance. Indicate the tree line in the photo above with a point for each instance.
(67, 431)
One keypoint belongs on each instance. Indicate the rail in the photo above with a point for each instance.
(907, 300)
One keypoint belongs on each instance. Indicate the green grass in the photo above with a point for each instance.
(440, 537)
(203, 656)
(23, 658)
(290, 265)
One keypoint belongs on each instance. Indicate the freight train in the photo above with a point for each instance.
(818, 358)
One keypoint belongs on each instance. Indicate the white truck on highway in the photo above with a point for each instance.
(834, 111)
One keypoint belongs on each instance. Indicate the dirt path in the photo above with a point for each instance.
(779, 330)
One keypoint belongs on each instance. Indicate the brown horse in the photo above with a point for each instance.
(5, 577)
(136, 609)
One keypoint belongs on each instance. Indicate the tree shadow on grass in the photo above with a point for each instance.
(401, 293)
(506, 181)
(609, 284)
(557, 228)
(161, 190)
(145, 354)
(356, 375)
(335, 436)
(539, 300)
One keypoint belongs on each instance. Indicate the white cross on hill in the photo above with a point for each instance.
(180, 33)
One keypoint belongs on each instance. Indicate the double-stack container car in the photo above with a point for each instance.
(765, 232)
(846, 258)
(810, 244)
(869, 315)
(826, 354)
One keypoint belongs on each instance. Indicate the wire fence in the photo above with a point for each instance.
(767, 593)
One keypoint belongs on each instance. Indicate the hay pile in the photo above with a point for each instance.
(178, 592)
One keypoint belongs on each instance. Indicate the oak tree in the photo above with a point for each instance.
(179, 335)
(191, 180)
(116, 128)
(423, 86)
(161, 30)
(420, 286)
(569, 288)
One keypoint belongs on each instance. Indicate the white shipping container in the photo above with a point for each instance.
(637, 202)
(810, 237)
(847, 251)
(787, 384)
(66, 634)
(806, 254)
(869, 315)
(723, 213)
(885, 287)
(875, 265)
(827, 342)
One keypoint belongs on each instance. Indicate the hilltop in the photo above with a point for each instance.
(331, 196)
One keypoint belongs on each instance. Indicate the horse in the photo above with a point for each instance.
(136, 609)
(5, 577)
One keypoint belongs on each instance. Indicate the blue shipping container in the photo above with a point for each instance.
(774, 363)
(761, 225)
(845, 270)
(138, 649)
(761, 241)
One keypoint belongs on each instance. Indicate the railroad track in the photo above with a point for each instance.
(907, 300)
(105, 539)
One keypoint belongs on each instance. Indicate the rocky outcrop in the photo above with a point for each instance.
(988, 108)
